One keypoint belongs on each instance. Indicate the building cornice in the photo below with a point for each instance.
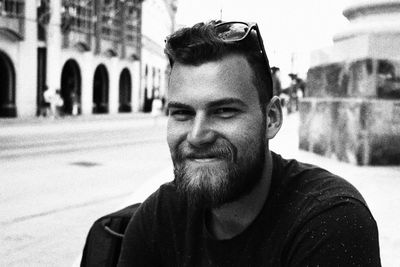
(363, 9)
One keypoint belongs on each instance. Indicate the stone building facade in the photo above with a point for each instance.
(92, 51)
(352, 107)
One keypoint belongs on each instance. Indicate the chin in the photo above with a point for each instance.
(211, 175)
(207, 185)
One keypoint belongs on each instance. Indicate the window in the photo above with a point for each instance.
(77, 15)
(12, 8)
(133, 22)
(111, 19)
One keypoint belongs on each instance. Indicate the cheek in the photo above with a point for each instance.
(171, 136)
(174, 135)
(248, 137)
(247, 130)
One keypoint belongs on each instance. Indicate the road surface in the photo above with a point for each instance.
(56, 179)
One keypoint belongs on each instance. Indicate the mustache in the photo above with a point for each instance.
(221, 151)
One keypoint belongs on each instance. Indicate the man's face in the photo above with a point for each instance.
(216, 130)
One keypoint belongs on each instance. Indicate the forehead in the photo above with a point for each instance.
(229, 77)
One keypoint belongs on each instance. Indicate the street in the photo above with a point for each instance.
(48, 200)
(53, 191)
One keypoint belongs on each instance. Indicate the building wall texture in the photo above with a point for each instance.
(358, 131)
(22, 54)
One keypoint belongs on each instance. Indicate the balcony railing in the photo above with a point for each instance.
(132, 30)
(12, 8)
(77, 16)
(77, 23)
(113, 25)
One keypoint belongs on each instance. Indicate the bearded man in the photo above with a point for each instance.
(234, 202)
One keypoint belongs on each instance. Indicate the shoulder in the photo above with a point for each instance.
(165, 198)
(141, 243)
(345, 234)
(313, 182)
(162, 209)
(157, 213)
(324, 215)
(306, 191)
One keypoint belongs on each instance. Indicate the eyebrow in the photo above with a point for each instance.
(212, 104)
(226, 101)
(173, 104)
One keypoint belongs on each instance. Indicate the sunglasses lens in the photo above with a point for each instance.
(232, 31)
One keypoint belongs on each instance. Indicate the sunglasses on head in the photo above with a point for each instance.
(236, 31)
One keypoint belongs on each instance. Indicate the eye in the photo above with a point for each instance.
(181, 114)
(226, 112)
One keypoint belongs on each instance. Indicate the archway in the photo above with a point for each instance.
(100, 90)
(125, 91)
(7, 87)
(71, 88)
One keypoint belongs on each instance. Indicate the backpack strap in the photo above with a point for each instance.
(103, 242)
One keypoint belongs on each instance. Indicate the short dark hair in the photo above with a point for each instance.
(200, 44)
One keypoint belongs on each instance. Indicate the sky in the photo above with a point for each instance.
(290, 28)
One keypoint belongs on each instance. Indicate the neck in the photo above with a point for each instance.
(233, 218)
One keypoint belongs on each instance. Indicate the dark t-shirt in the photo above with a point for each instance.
(311, 218)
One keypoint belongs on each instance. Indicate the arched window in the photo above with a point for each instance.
(125, 91)
(7, 87)
(100, 90)
(71, 88)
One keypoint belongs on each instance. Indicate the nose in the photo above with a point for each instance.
(201, 132)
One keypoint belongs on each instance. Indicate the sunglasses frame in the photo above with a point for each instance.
(251, 26)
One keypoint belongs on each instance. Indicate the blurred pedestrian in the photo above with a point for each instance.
(45, 103)
(74, 103)
(50, 99)
(292, 105)
(156, 107)
(276, 81)
(57, 104)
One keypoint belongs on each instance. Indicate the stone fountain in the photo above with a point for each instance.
(351, 111)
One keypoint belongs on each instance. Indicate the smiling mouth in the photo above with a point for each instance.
(205, 160)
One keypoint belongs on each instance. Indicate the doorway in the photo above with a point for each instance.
(100, 90)
(7, 87)
(125, 91)
(71, 88)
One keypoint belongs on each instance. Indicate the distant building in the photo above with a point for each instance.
(158, 21)
(95, 52)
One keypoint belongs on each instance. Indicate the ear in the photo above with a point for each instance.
(274, 117)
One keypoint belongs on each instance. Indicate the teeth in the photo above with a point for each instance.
(204, 160)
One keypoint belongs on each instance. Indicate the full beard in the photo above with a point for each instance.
(214, 184)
